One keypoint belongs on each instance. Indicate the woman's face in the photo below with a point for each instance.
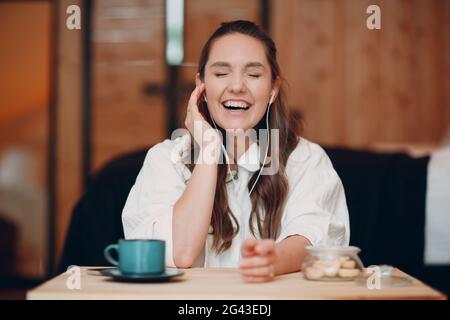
(238, 81)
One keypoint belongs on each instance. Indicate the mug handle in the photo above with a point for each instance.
(108, 256)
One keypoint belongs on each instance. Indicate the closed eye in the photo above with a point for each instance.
(255, 75)
(220, 74)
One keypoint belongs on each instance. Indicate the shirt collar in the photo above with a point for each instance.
(249, 160)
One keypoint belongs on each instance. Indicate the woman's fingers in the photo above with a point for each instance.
(257, 279)
(257, 247)
(258, 259)
(195, 96)
(194, 117)
(248, 247)
(266, 246)
(256, 262)
(258, 272)
(262, 274)
(192, 98)
(200, 91)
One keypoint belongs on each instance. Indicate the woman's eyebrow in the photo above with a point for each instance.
(254, 65)
(247, 65)
(221, 64)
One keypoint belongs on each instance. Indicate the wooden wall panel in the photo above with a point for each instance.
(69, 123)
(428, 44)
(128, 54)
(361, 81)
(358, 87)
(445, 86)
(306, 36)
(203, 17)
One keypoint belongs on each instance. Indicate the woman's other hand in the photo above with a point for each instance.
(258, 258)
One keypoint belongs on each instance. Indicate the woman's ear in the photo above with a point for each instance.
(275, 89)
(198, 80)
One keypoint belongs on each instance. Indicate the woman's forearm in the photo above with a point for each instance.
(193, 210)
(289, 254)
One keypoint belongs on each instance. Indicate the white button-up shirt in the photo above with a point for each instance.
(315, 206)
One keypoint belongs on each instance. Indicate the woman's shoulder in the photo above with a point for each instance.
(170, 155)
(309, 162)
(174, 150)
(308, 152)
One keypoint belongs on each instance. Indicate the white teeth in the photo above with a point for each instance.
(236, 104)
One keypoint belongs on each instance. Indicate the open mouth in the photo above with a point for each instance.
(236, 105)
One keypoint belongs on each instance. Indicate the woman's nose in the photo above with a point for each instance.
(237, 84)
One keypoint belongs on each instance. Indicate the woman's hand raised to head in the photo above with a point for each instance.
(258, 258)
(196, 123)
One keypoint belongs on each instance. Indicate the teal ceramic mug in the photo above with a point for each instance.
(138, 257)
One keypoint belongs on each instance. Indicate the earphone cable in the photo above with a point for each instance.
(267, 149)
(265, 156)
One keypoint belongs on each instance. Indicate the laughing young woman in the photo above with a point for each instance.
(216, 214)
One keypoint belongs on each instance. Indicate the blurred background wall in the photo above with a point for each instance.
(358, 87)
(115, 92)
(25, 89)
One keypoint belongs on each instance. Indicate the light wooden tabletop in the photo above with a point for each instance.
(223, 283)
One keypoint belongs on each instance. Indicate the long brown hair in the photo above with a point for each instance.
(270, 191)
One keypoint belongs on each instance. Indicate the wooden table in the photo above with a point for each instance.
(223, 283)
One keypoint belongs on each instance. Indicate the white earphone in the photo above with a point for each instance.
(272, 97)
